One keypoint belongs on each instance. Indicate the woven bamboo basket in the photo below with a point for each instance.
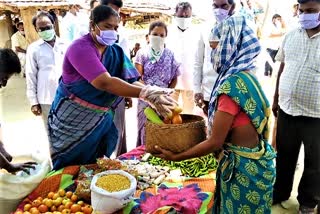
(176, 137)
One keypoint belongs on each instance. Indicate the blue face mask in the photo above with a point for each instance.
(309, 21)
(220, 14)
(107, 37)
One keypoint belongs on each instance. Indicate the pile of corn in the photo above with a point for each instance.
(113, 182)
(194, 167)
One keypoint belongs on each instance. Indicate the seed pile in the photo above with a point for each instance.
(113, 182)
(194, 167)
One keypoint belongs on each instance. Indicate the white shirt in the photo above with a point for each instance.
(299, 86)
(123, 41)
(274, 42)
(183, 46)
(71, 29)
(43, 70)
(204, 76)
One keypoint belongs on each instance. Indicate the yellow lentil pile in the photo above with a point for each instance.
(113, 182)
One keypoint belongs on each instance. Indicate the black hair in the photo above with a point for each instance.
(231, 2)
(41, 14)
(101, 13)
(53, 14)
(184, 5)
(306, 1)
(118, 3)
(62, 13)
(158, 24)
(9, 62)
(276, 16)
(92, 3)
(71, 6)
(19, 23)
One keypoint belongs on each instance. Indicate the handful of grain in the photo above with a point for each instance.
(113, 182)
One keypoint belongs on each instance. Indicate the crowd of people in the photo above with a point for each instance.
(82, 83)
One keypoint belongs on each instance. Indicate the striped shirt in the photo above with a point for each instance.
(299, 86)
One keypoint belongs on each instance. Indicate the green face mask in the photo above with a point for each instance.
(47, 35)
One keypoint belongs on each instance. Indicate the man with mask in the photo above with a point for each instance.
(181, 41)
(297, 108)
(20, 45)
(119, 117)
(44, 65)
(204, 76)
(222, 9)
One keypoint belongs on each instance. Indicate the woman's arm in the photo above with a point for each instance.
(139, 67)
(222, 123)
(138, 83)
(116, 86)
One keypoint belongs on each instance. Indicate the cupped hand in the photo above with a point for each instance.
(164, 105)
(5, 153)
(36, 110)
(12, 168)
(150, 91)
(165, 154)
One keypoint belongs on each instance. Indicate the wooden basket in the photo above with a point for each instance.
(176, 137)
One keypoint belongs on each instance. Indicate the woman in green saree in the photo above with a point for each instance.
(238, 119)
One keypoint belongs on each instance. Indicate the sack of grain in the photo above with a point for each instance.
(14, 187)
(112, 190)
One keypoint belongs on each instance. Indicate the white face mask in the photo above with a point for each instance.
(183, 23)
(157, 43)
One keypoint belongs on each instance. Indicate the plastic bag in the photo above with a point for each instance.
(16, 187)
(106, 202)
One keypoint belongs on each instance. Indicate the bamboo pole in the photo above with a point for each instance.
(9, 23)
(26, 15)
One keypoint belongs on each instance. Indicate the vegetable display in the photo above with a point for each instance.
(194, 167)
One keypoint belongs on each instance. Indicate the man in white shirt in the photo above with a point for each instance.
(204, 76)
(181, 40)
(44, 65)
(273, 42)
(20, 45)
(297, 107)
(71, 29)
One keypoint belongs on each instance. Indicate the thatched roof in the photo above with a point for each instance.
(146, 6)
(15, 5)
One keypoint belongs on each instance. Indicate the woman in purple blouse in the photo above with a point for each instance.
(96, 76)
(157, 66)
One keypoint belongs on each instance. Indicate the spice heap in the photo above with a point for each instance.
(113, 182)
(108, 164)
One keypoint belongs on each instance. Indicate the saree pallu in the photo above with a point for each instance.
(80, 121)
(245, 179)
